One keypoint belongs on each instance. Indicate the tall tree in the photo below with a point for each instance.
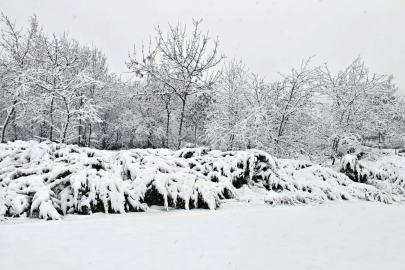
(181, 63)
(64, 79)
(16, 66)
(227, 112)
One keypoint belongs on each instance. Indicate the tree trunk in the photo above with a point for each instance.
(80, 126)
(84, 135)
(181, 122)
(40, 133)
(89, 135)
(231, 142)
(80, 132)
(51, 127)
(67, 122)
(335, 146)
(15, 128)
(3, 130)
(167, 129)
(65, 130)
(280, 129)
(52, 101)
(195, 136)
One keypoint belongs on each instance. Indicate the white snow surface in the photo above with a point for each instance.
(335, 235)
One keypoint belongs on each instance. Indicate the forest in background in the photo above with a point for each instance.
(186, 93)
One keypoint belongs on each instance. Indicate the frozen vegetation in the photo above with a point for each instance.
(183, 90)
(104, 145)
(50, 180)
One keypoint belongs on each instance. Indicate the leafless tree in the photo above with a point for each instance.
(16, 64)
(180, 62)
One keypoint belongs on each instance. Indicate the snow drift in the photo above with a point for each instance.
(49, 180)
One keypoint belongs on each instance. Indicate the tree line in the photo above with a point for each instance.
(184, 92)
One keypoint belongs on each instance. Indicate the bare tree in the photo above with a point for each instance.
(159, 92)
(95, 63)
(64, 78)
(294, 100)
(16, 65)
(181, 63)
(227, 113)
(360, 103)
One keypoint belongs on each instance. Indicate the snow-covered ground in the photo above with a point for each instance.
(335, 235)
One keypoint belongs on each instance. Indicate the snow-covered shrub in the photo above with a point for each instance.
(49, 180)
(386, 173)
(350, 166)
(305, 183)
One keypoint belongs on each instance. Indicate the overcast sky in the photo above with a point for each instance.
(270, 36)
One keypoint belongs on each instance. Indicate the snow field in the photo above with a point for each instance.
(335, 235)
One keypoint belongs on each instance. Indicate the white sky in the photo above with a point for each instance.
(270, 36)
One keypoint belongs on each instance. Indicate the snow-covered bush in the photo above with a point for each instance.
(386, 173)
(49, 180)
(306, 183)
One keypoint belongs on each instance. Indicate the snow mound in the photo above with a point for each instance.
(48, 180)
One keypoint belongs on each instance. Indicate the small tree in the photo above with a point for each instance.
(360, 103)
(227, 111)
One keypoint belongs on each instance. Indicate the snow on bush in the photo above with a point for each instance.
(386, 173)
(49, 180)
(305, 183)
